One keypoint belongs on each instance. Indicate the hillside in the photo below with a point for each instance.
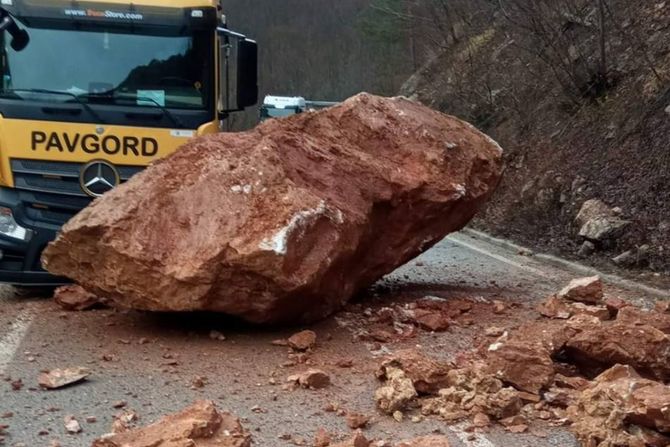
(531, 78)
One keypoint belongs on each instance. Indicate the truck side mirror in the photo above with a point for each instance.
(238, 49)
(20, 37)
(247, 73)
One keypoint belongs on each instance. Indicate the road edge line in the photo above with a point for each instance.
(11, 341)
(569, 265)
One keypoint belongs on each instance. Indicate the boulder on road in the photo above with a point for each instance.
(199, 424)
(286, 222)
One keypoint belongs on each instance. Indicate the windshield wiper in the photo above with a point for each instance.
(88, 108)
(110, 95)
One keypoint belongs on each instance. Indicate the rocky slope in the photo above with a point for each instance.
(563, 150)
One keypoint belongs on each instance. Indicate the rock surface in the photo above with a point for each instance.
(598, 345)
(585, 290)
(302, 341)
(520, 361)
(199, 425)
(286, 222)
(427, 375)
(622, 409)
(598, 222)
(74, 297)
(59, 378)
(396, 393)
(426, 441)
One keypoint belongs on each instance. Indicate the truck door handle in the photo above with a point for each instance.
(61, 110)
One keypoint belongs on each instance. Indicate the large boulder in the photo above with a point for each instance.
(286, 222)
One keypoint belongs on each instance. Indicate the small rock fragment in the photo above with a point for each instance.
(494, 331)
(498, 307)
(312, 378)
(554, 307)
(357, 420)
(199, 424)
(357, 440)
(396, 393)
(216, 335)
(59, 378)
(481, 420)
(322, 438)
(426, 441)
(71, 424)
(431, 320)
(427, 375)
(302, 341)
(586, 290)
(75, 298)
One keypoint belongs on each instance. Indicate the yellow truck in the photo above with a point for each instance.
(94, 91)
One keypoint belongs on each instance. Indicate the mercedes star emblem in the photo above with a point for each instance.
(98, 177)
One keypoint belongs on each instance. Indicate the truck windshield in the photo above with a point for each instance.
(145, 70)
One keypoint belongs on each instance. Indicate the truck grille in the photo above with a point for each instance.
(50, 190)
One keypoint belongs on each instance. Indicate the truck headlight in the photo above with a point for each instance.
(9, 226)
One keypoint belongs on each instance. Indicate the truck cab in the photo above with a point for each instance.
(92, 92)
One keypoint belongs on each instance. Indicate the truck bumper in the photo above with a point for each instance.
(20, 264)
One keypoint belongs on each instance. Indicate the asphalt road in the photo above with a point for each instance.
(149, 363)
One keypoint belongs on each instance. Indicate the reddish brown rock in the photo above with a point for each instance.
(302, 341)
(525, 363)
(614, 305)
(322, 438)
(622, 409)
(357, 420)
(285, 222)
(357, 440)
(586, 290)
(638, 317)
(598, 346)
(198, 425)
(554, 307)
(74, 297)
(312, 378)
(662, 307)
(427, 375)
(426, 441)
(431, 320)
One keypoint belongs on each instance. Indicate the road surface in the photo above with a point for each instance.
(151, 363)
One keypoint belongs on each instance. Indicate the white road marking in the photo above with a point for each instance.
(459, 241)
(479, 441)
(10, 342)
